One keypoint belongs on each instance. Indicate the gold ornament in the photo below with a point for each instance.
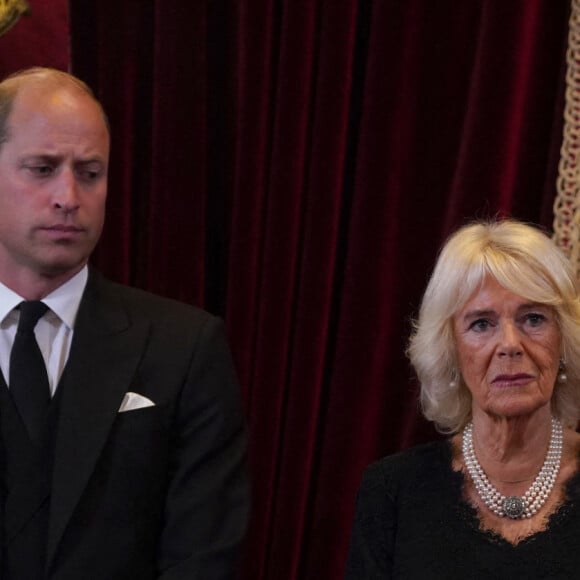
(10, 12)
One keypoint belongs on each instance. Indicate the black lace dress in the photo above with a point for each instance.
(412, 523)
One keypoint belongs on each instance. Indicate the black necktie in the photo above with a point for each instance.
(28, 382)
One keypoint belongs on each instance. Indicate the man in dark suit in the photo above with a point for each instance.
(131, 463)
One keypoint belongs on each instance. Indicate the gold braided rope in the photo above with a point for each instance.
(567, 203)
(10, 12)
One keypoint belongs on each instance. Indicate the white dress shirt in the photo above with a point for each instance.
(53, 331)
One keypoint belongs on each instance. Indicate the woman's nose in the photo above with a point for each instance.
(509, 341)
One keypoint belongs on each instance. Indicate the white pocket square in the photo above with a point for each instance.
(132, 401)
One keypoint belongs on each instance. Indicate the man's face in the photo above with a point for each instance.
(53, 184)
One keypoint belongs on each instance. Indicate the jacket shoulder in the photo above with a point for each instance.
(151, 306)
(416, 464)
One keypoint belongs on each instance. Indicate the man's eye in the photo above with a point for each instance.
(89, 174)
(41, 170)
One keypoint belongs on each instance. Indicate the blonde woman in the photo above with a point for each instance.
(496, 348)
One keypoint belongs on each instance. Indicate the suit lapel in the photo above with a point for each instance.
(104, 355)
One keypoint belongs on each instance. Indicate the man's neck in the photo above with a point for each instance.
(35, 286)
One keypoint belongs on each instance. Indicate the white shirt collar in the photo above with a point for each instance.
(63, 302)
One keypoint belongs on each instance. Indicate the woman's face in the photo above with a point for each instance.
(508, 350)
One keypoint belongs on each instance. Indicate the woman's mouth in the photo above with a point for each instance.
(512, 380)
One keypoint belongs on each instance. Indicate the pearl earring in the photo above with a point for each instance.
(562, 376)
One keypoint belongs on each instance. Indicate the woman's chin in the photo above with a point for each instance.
(513, 407)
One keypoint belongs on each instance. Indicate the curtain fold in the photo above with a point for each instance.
(293, 166)
(514, 87)
(298, 271)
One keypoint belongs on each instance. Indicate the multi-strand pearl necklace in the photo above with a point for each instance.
(515, 507)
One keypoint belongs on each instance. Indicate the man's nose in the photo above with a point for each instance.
(509, 340)
(66, 195)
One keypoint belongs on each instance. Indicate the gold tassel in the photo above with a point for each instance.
(10, 12)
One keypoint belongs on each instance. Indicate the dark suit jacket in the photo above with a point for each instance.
(160, 492)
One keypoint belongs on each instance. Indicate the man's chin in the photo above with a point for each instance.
(61, 268)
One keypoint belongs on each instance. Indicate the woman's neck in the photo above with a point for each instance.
(511, 451)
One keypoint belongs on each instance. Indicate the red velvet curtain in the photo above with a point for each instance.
(39, 38)
(294, 166)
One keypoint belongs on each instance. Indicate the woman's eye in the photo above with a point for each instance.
(479, 325)
(535, 318)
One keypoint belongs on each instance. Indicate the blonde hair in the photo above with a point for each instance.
(524, 261)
